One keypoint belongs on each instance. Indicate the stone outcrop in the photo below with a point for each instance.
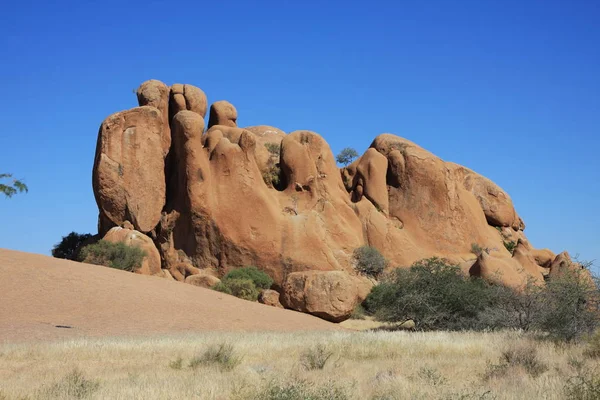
(229, 196)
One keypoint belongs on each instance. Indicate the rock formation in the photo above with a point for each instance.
(228, 197)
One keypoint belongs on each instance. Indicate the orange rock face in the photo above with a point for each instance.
(128, 176)
(231, 197)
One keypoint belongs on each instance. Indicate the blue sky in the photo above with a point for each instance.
(508, 88)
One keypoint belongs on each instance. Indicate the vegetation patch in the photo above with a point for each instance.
(315, 357)
(369, 261)
(73, 385)
(114, 255)
(438, 296)
(245, 283)
(222, 356)
(68, 247)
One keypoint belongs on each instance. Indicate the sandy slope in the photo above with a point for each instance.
(37, 293)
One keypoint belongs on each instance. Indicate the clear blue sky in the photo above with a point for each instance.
(509, 88)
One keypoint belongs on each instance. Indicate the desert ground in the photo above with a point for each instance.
(42, 295)
(72, 330)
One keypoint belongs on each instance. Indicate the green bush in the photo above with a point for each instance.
(68, 247)
(433, 293)
(260, 279)
(114, 255)
(437, 295)
(369, 261)
(242, 288)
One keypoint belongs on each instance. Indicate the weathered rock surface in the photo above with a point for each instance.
(222, 113)
(233, 196)
(156, 94)
(128, 176)
(188, 97)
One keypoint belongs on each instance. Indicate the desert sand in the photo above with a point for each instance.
(44, 298)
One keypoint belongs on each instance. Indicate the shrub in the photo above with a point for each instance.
(437, 295)
(273, 148)
(511, 309)
(243, 288)
(526, 357)
(510, 245)
(583, 386)
(369, 261)
(301, 390)
(571, 309)
(176, 364)
(433, 293)
(315, 357)
(271, 176)
(358, 312)
(114, 255)
(73, 385)
(477, 249)
(222, 356)
(593, 345)
(517, 356)
(431, 376)
(69, 246)
(260, 279)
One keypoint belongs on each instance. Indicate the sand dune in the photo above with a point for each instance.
(44, 298)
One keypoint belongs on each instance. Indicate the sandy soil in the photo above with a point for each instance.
(44, 298)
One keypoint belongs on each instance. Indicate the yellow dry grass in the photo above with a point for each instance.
(363, 365)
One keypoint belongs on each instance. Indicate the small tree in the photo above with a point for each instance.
(68, 247)
(369, 261)
(13, 187)
(346, 156)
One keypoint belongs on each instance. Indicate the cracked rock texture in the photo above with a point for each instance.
(229, 197)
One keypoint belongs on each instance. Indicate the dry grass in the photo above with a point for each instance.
(362, 365)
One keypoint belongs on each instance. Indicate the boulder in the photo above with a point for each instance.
(151, 263)
(543, 257)
(368, 177)
(270, 298)
(128, 174)
(331, 295)
(187, 97)
(505, 271)
(222, 113)
(204, 280)
(156, 94)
